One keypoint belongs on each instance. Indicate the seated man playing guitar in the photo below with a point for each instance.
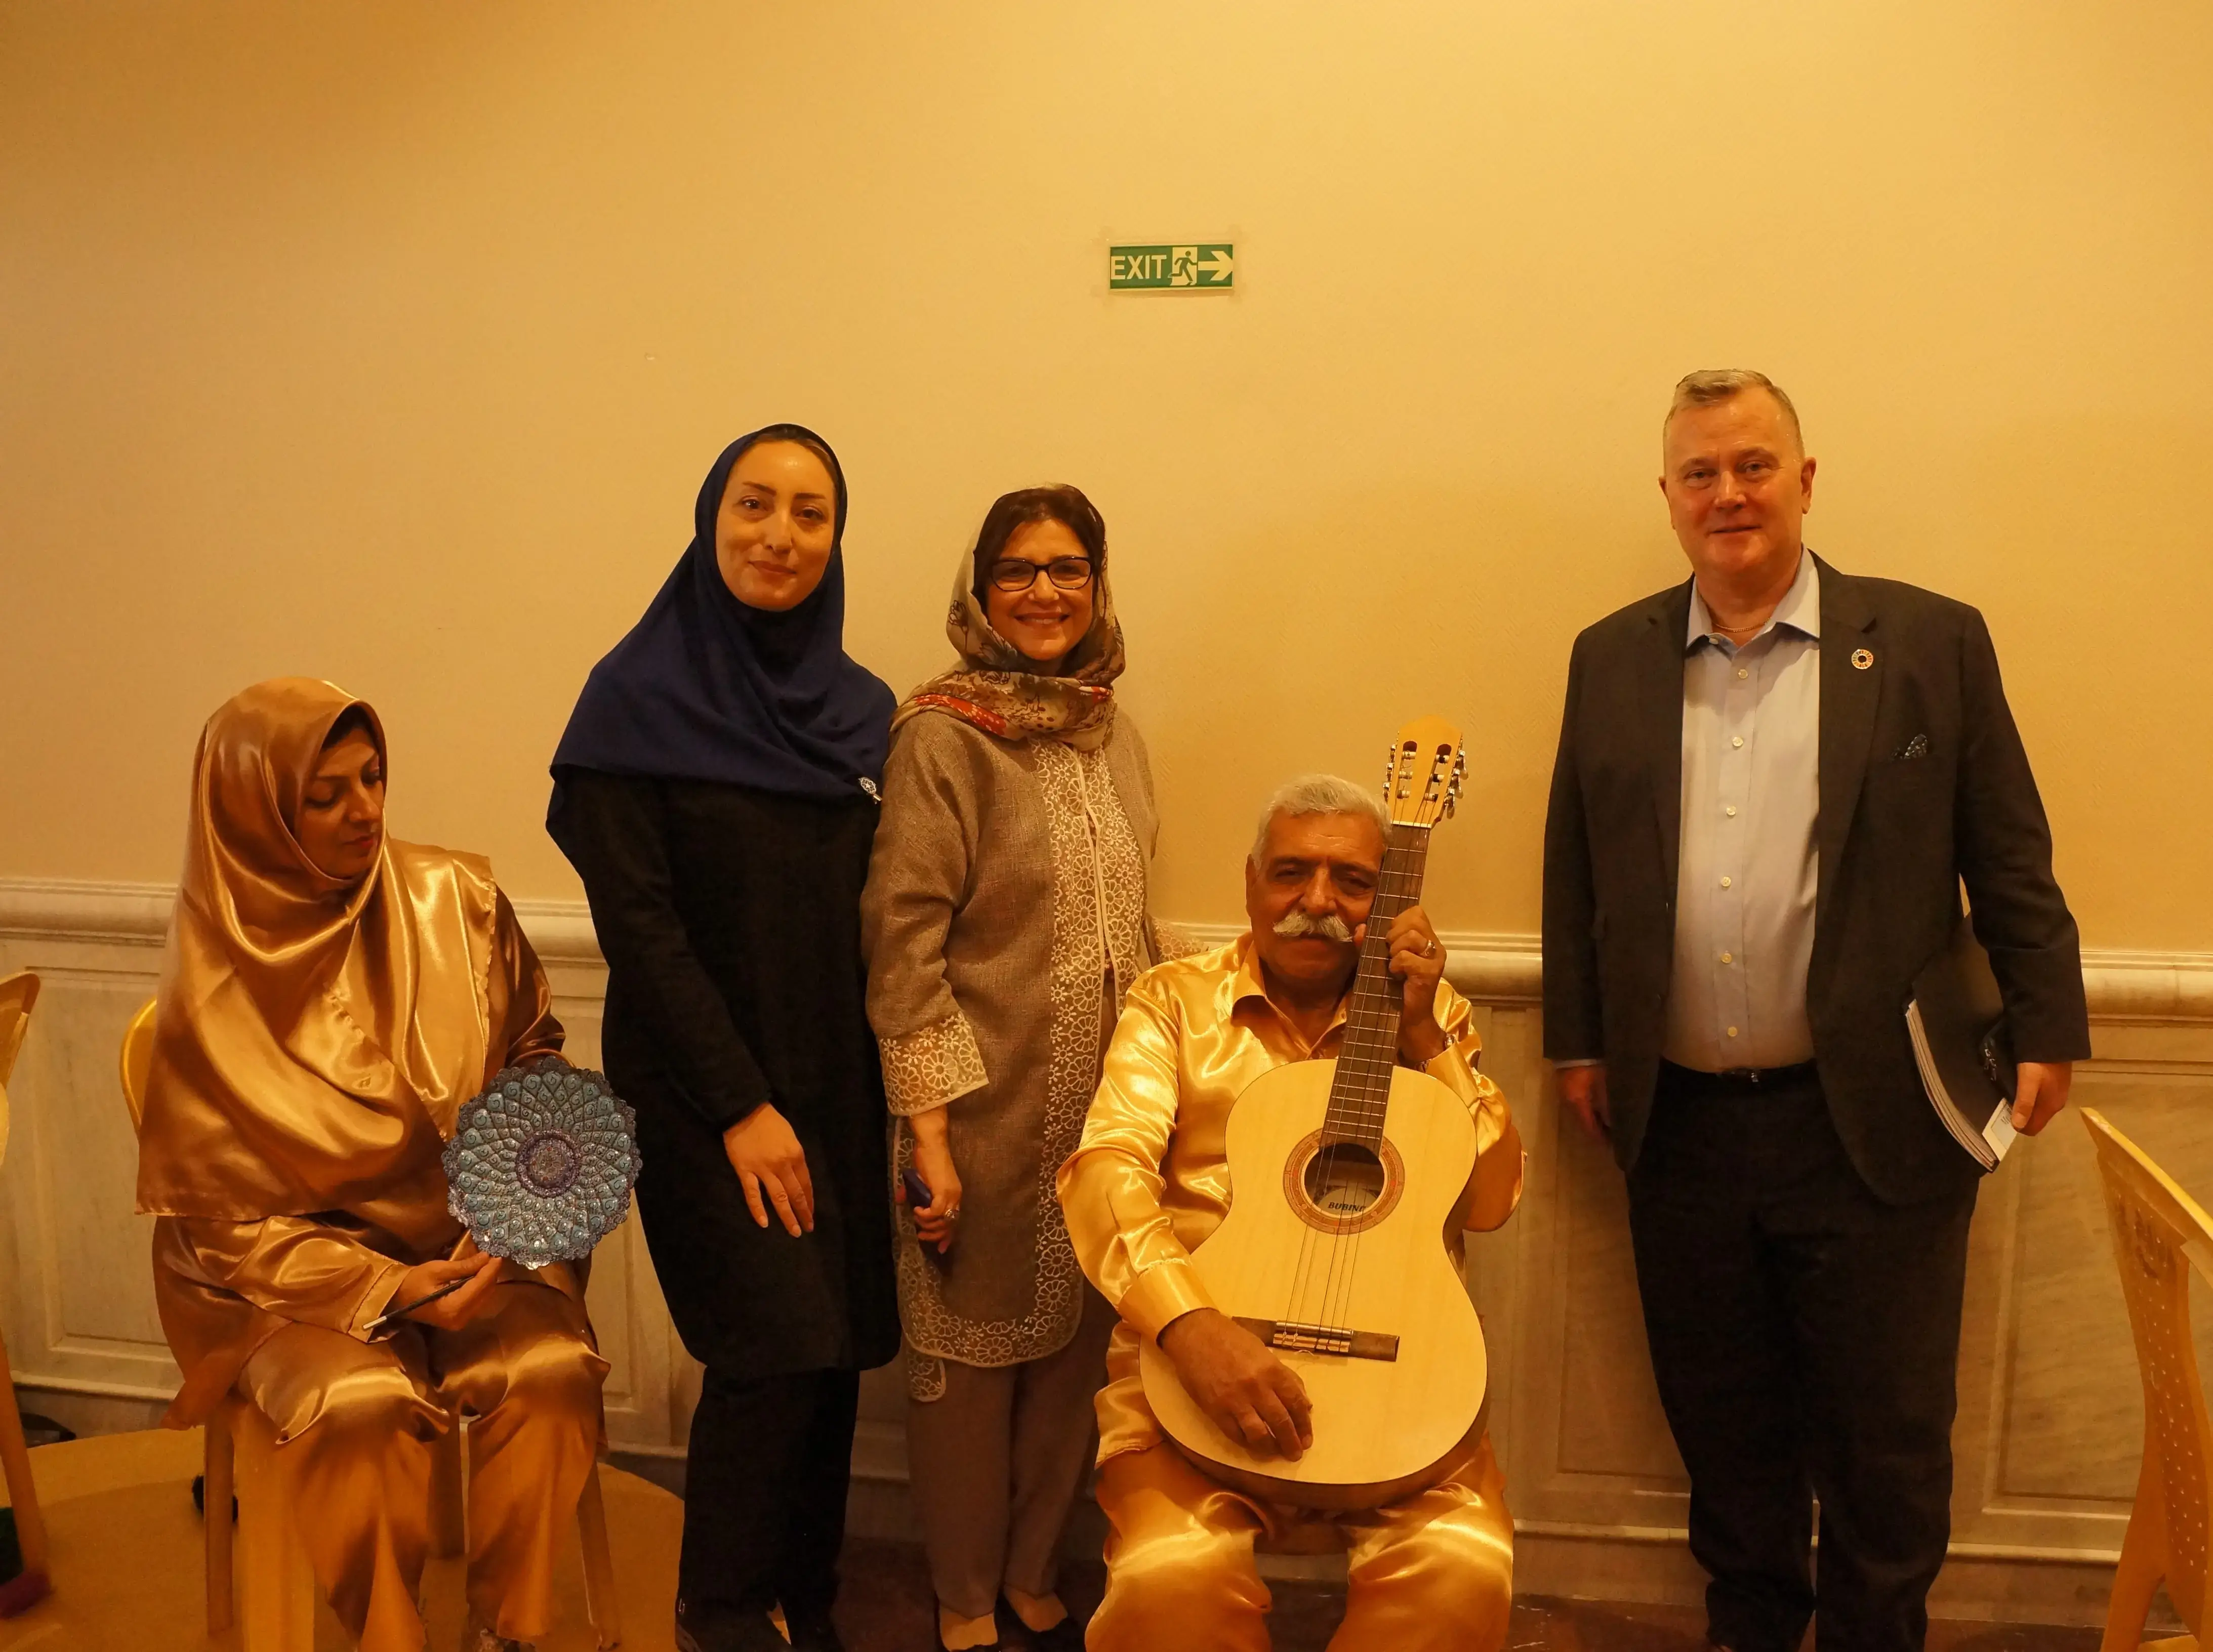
(1431, 1567)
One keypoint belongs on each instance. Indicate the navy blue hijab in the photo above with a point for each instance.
(705, 688)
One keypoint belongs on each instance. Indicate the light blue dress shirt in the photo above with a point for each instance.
(1752, 799)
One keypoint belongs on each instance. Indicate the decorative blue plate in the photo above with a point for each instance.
(540, 1165)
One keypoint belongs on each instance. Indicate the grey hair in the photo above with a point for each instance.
(1710, 385)
(1318, 793)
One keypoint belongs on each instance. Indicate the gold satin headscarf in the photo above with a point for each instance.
(310, 1030)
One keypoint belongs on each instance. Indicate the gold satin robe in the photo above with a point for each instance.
(1149, 1183)
(315, 1040)
(280, 1308)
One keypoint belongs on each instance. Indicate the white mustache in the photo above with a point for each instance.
(1296, 926)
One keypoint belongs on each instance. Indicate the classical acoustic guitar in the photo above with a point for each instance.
(1348, 1180)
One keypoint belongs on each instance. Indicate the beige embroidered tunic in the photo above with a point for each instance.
(1005, 915)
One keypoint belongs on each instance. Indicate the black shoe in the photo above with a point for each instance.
(750, 1632)
(813, 1632)
(1066, 1636)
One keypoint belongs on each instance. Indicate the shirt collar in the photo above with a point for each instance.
(1244, 980)
(1799, 609)
(1246, 985)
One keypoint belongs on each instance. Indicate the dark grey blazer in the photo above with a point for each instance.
(1924, 784)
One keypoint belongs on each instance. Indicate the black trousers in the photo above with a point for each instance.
(1805, 1335)
(765, 1505)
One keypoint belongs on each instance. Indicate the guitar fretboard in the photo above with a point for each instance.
(1361, 1089)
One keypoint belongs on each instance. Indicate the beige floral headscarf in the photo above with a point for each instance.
(998, 688)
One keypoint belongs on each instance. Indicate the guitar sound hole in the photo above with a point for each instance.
(1344, 1179)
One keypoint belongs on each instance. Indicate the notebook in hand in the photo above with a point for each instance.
(1957, 1022)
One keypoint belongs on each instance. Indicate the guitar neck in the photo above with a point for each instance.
(1361, 1091)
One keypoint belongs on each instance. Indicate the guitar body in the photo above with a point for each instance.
(1351, 1251)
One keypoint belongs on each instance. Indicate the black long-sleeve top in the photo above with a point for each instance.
(729, 919)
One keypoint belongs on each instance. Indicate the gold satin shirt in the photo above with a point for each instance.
(1148, 1180)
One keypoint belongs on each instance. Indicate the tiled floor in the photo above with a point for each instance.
(886, 1607)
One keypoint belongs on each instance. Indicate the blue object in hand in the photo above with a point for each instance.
(541, 1165)
(918, 1190)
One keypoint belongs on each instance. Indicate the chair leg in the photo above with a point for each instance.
(2143, 1566)
(15, 1461)
(600, 1599)
(278, 1611)
(217, 1488)
(449, 1527)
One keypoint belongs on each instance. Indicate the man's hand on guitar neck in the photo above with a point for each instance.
(1417, 963)
(1251, 1394)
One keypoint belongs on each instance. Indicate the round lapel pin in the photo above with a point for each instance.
(1861, 659)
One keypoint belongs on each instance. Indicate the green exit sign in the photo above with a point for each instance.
(1197, 266)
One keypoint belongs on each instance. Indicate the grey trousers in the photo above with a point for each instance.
(997, 1462)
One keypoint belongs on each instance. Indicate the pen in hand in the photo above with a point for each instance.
(445, 1289)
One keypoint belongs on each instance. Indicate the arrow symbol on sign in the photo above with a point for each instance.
(1214, 268)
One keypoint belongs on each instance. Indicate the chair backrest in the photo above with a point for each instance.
(2160, 1233)
(137, 1060)
(18, 992)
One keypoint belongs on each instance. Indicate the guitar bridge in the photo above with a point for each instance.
(1296, 1339)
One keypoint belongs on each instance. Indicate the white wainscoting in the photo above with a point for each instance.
(2050, 1418)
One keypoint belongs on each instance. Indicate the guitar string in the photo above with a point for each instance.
(1398, 888)
(1349, 1089)
(1354, 1080)
(1368, 1058)
(1313, 1236)
(1354, 1056)
(1390, 1014)
(1341, 1124)
(1302, 1271)
(1344, 1105)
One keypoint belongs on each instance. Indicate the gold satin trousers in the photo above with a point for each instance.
(355, 1423)
(1431, 1573)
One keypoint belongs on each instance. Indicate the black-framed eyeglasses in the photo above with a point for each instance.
(1067, 573)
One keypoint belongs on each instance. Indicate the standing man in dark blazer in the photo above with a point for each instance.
(1772, 780)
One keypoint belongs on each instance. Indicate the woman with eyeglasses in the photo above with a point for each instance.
(1004, 916)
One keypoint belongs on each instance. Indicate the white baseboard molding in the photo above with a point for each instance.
(2161, 988)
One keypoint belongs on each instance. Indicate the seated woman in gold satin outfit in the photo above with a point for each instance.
(330, 999)
(1431, 1572)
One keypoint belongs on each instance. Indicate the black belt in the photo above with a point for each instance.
(1743, 1077)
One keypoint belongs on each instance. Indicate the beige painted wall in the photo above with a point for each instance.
(389, 342)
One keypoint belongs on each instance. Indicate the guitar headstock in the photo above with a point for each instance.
(1423, 774)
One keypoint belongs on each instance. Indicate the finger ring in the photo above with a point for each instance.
(953, 1214)
(1430, 947)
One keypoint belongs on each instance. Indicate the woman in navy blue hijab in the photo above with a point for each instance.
(738, 671)
(717, 791)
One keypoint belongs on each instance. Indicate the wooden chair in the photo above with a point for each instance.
(241, 1443)
(18, 993)
(2160, 1234)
